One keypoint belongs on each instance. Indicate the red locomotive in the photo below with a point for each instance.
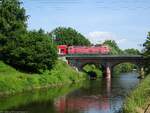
(100, 49)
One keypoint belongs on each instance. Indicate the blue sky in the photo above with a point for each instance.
(125, 21)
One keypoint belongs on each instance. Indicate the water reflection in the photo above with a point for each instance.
(97, 97)
(101, 96)
(85, 104)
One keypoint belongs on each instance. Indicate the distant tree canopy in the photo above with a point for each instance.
(132, 51)
(68, 36)
(147, 52)
(115, 50)
(30, 51)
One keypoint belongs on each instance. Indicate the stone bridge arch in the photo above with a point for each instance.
(107, 61)
(135, 63)
(90, 63)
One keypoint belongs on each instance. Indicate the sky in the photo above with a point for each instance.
(125, 21)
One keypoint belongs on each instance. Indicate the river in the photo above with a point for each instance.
(93, 96)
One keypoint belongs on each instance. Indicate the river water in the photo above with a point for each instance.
(95, 96)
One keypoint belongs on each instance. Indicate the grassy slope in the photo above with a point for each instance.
(139, 99)
(12, 81)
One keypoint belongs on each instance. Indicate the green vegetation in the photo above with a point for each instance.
(147, 53)
(32, 54)
(138, 100)
(124, 67)
(115, 50)
(13, 81)
(92, 68)
(30, 51)
(68, 36)
(131, 52)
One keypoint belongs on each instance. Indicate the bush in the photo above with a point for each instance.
(31, 52)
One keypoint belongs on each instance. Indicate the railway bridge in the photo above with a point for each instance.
(106, 61)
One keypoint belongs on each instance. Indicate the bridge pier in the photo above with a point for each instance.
(108, 71)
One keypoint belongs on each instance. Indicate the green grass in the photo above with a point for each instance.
(13, 81)
(139, 98)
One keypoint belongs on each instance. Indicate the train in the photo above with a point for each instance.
(98, 49)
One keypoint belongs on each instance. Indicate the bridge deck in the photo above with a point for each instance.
(102, 56)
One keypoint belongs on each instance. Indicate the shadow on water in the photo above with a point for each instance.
(96, 96)
(92, 75)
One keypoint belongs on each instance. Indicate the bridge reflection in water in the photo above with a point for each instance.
(99, 96)
(87, 102)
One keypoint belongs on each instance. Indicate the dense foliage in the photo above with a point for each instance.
(147, 53)
(131, 51)
(12, 18)
(29, 51)
(12, 21)
(115, 50)
(68, 36)
(92, 68)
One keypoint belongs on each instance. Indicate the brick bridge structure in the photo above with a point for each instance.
(106, 61)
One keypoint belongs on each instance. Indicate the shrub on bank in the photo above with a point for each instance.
(139, 99)
(13, 81)
(92, 68)
(30, 52)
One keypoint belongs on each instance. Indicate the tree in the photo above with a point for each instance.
(115, 50)
(147, 53)
(12, 17)
(68, 36)
(28, 51)
(31, 52)
(132, 51)
(12, 22)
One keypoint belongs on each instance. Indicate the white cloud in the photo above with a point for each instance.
(119, 41)
(99, 37)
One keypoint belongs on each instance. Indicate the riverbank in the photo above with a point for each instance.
(139, 99)
(13, 81)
